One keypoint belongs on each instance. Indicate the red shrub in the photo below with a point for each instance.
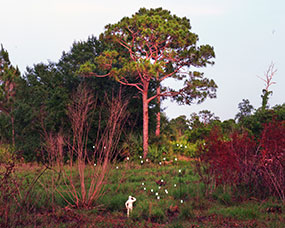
(272, 159)
(239, 160)
(228, 158)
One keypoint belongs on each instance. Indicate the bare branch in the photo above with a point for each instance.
(269, 76)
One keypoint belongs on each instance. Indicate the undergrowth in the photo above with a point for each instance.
(168, 195)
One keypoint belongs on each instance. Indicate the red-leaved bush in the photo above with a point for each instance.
(272, 157)
(241, 161)
(228, 158)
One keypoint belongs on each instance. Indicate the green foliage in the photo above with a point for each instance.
(41, 103)
(6, 154)
(132, 146)
(177, 127)
(245, 109)
(200, 126)
(254, 123)
(5, 123)
(155, 153)
(86, 68)
(156, 34)
(44, 93)
(184, 147)
(160, 149)
(8, 77)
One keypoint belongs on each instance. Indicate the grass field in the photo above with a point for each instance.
(167, 196)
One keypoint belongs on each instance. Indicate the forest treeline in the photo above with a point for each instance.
(39, 99)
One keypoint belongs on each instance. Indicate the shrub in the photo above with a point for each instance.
(6, 153)
(223, 156)
(240, 161)
(156, 153)
(273, 157)
(132, 146)
(183, 147)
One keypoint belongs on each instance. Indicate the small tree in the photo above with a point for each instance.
(8, 76)
(160, 46)
(245, 109)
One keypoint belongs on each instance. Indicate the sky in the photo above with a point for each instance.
(247, 36)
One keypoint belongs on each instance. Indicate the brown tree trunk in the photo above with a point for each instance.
(157, 130)
(145, 121)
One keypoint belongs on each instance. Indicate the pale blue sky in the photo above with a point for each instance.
(247, 36)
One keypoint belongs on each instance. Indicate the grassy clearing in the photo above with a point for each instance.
(167, 196)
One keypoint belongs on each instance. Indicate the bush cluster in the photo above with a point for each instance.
(242, 161)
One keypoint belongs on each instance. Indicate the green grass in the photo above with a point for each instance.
(241, 212)
(109, 210)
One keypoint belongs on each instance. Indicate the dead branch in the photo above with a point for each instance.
(269, 76)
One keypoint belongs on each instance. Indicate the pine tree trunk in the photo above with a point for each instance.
(145, 121)
(157, 130)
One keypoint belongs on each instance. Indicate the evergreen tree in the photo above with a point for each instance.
(8, 78)
(159, 45)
